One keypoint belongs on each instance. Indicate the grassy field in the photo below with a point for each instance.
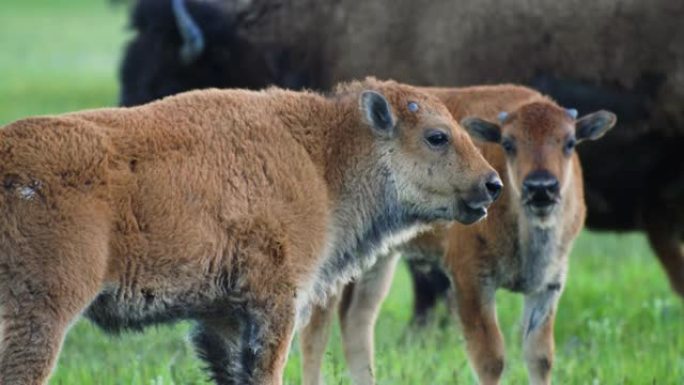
(618, 322)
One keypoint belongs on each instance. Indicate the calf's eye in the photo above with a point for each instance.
(569, 145)
(436, 138)
(508, 146)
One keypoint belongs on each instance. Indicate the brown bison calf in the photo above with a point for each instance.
(522, 246)
(235, 209)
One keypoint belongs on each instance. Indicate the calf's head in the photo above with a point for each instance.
(539, 140)
(437, 170)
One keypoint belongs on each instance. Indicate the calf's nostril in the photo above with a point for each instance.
(554, 186)
(484, 194)
(494, 187)
(537, 185)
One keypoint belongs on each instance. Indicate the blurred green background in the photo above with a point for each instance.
(618, 322)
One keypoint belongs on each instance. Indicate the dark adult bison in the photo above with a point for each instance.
(623, 55)
(180, 47)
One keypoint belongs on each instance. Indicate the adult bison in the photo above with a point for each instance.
(626, 56)
(164, 59)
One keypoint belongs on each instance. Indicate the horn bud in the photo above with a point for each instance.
(502, 116)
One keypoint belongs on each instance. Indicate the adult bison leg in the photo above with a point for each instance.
(665, 236)
(314, 339)
(359, 308)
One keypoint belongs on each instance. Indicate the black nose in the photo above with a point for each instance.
(494, 186)
(541, 186)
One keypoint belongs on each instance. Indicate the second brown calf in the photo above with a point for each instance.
(522, 246)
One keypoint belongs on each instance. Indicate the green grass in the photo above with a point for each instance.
(618, 321)
(58, 55)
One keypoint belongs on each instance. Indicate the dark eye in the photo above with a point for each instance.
(569, 145)
(436, 138)
(508, 146)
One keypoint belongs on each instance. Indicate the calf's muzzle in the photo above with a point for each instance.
(541, 191)
(482, 196)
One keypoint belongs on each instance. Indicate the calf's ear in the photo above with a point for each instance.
(378, 114)
(482, 130)
(594, 125)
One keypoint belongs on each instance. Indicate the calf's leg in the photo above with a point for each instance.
(219, 343)
(538, 341)
(270, 343)
(430, 283)
(359, 308)
(477, 311)
(48, 275)
(313, 340)
(248, 347)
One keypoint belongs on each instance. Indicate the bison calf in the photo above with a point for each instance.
(523, 245)
(235, 209)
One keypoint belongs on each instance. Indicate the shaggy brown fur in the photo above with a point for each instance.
(236, 209)
(523, 244)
